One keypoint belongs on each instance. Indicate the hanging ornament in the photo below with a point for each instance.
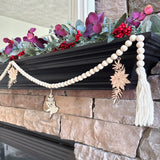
(118, 80)
(12, 76)
(51, 104)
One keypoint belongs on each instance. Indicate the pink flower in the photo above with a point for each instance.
(148, 9)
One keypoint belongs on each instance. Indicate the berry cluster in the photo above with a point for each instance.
(122, 30)
(77, 36)
(65, 45)
(16, 56)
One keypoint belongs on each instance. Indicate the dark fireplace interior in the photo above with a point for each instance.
(17, 143)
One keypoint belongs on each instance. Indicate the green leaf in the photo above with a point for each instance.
(121, 20)
(146, 26)
(110, 38)
(155, 23)
(65, 27)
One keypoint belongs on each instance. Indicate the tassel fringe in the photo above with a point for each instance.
(144, 102)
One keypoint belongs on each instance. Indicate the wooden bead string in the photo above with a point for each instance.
(92, 71)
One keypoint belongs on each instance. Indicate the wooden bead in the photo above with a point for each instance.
(140, 57)
(140, 44)
(104, 63)
(100, 66)
(72, 80)
(80, 78)
(140, 50)
(140, 38)
(124, 48)
(84, 75)
(76, 79)
(128, 43)
(109, 60)
(114, 56)
(96, 69)
(119, 52)
(140, 63)
(88, 74)
(132, 38)
(91, 71)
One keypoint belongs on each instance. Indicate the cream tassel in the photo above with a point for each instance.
(144, 106)
(144, 102)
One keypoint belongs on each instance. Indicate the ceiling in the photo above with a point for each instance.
(39, 12)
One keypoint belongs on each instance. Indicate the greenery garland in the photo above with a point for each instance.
(96, 28)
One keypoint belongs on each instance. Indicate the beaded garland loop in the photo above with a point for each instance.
(143, 116)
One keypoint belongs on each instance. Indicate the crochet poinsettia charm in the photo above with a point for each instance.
(118, 80)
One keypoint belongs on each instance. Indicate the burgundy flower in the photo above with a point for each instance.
(93, 23)
(135, 19)
(11, 44)
(59, 31)
(34, 39)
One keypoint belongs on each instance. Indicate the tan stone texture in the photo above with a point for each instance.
(12, 115)
(139, 5)
(39, 121)
(155, 86)
(79, 106)
(149, 148)
(113, 9)
(128, 94)
(83, 152)
(156, 123)
(22, 101)
(112, 137)
(121, 112)
(156, 69)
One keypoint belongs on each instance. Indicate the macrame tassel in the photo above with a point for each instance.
(144, 106)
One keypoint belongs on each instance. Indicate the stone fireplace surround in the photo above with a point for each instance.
(101, 130)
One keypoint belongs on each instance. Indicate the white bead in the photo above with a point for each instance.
(100, 66)
(53, 85)
(84, 75)
(140, 38)
(124, 48)
(72, 80)
(96, 69)
(91, 71)
(140, 50)
(140, 57)
(119, 52)
(114, 56)
(76, 79)
(62, 84)
(69, 82)
(109, 60)
(104, 63)
(128, 43)
(56, 85)
(140, 63)
(132, 38)
(80, 78)
(140, 44)
(88, 74)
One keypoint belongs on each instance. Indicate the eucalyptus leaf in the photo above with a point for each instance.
(146, 27)
(155, 23)
(65, 27)
(110, 38)
(121, 20)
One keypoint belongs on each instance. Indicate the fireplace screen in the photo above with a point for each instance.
(17, 143)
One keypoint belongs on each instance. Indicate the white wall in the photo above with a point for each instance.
(11, 28)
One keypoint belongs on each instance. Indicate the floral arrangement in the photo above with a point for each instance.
(96, 28)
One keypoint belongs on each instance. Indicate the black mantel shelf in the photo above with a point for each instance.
(63, 65)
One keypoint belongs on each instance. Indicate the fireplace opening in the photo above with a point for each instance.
(17, 143)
